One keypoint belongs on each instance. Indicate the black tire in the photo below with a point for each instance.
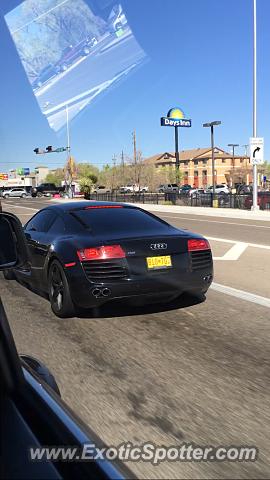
(8, 275)
(59, 291)
(39, 194)
(23, 195)
(6, 195)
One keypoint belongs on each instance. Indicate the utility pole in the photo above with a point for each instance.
(135, 155)
(113, 175)
(123, 163)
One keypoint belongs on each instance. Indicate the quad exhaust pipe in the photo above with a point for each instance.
(101, 292)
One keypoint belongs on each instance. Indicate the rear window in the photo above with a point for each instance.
(119, 220)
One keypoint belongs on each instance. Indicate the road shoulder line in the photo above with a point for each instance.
(241, 294)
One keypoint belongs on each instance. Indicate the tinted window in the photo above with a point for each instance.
(119, 220)
(41, 221)
(58, 226)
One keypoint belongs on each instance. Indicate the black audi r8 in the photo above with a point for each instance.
(84, 254)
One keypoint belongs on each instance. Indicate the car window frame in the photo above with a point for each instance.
(33, 219)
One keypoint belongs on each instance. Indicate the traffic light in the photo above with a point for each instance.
(49, 148)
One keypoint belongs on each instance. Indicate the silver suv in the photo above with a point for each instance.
(168, 187)
(15, 192)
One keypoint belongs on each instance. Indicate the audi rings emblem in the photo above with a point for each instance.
(158, 246)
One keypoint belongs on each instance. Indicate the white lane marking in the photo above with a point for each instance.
(225, 240)
(216, 221)
(234, 253)
(13, 205)
(241, 294)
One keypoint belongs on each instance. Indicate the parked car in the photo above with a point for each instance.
(47, 189)
(185, 189)
(263, 200)
(168, 188)
(71, 53)
(222, 188)
(196, 192)
(15, 192)
(46, 73)
(244, 189)
(101, 189)
(133, 188)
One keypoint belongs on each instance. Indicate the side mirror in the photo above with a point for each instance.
(42, 372)
(13, 247)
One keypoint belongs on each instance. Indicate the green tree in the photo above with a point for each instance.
(56, 177)
(86, 169)
(87, 183)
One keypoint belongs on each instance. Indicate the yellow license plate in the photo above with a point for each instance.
(159, 262)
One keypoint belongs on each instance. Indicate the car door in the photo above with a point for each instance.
(39, 242)
(14, 192)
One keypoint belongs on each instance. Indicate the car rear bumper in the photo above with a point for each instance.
(88, 294)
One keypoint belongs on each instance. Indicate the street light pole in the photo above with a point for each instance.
(68, 133)
(233, 145)
(68, 154)
(246, 155)
(212, 125)
(213, 161)
(255, 185)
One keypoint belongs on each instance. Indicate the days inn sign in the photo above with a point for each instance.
(175, 118)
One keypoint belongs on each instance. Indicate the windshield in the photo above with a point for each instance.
(154, 321)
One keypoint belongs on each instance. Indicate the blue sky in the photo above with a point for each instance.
(200, 58)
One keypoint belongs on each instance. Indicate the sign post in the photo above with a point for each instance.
(175, 118)
(256, 158)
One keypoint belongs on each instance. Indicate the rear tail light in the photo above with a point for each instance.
(198, 244)
(101, 253)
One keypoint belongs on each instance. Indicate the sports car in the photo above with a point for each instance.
(84, 254)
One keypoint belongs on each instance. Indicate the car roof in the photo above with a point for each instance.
(68, 206)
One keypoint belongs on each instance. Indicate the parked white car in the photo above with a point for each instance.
(133, 188)
(15, 192)
(101, 189)
(219, 188)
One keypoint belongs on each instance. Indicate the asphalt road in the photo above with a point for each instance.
(197, 374)
(252, 231)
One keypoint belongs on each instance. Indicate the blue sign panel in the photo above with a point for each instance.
(174, 122)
